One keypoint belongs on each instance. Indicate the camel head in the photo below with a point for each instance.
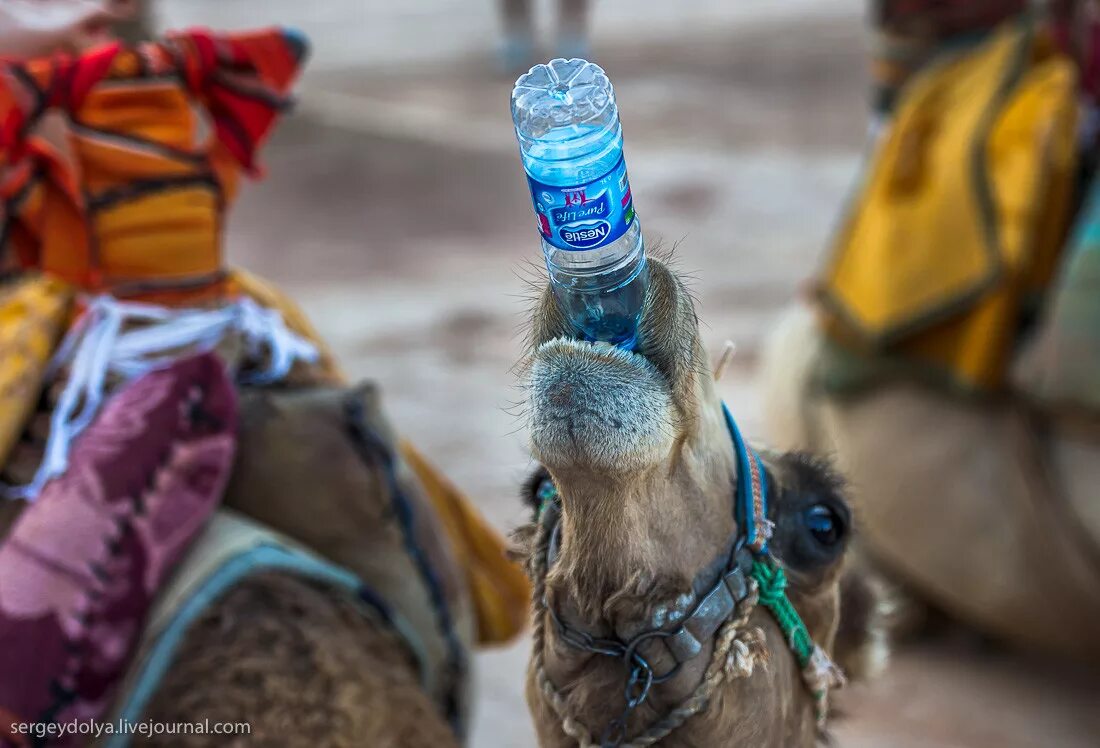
(637, 455)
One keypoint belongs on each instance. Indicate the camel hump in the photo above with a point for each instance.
(983, 508)
(286, 660)
(231, 552)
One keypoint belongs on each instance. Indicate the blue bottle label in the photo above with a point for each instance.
(587, 216)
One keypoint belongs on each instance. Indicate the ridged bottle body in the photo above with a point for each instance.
(571, 144)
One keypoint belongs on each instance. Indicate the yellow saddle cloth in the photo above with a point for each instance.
(34, 314)
(962, 214)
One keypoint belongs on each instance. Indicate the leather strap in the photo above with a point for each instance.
(664, 651)
(665, 654)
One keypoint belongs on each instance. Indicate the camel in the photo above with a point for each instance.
(335, 594)
(975, 465)
(638, 468)
(297, 658)
(322, 466)
(984, 509)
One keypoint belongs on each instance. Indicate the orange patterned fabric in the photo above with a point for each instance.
(116, 167)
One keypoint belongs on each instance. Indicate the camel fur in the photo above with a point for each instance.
(985, 509)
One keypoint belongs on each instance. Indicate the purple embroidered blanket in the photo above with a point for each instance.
(82, 564)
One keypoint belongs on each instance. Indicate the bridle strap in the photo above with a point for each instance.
(666, 652)
(661, 652)
(751, 501)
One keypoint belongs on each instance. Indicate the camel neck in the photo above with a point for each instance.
(626, 551)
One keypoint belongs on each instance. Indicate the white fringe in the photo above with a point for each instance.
(97, 346)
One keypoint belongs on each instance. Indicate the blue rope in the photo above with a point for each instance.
(745, 509)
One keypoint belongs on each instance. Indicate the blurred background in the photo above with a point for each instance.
(396, 212)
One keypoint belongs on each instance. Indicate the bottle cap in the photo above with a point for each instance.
(562, 93)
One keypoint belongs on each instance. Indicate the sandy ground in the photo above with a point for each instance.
(396, 212)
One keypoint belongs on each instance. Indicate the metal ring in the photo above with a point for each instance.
(630, 651)
(631, 655)
(669, 675)
(641, 674)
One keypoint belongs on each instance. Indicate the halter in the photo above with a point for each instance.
(749, 575)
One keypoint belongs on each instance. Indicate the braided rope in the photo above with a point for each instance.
(736, 652)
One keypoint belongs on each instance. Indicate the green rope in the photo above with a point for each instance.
(773, 595)
(818, 675)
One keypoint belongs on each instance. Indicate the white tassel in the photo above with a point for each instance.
(98, 346)
(821, 673)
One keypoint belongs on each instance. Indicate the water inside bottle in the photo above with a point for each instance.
(610, 315)
(571, 145)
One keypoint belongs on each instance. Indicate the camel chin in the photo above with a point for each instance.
(598, 407)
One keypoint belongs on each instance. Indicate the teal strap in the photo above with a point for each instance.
(547, 495)
(752, 490)
(261, 558)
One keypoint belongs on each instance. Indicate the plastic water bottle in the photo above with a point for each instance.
(571, 144)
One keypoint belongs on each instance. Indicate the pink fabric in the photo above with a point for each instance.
(79, 569)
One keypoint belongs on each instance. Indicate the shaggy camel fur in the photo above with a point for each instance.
(303, 666)
(640, 454)
(986, 509)
(299, 660)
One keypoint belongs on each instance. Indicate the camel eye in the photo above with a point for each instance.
(824, 524)
(538, 491)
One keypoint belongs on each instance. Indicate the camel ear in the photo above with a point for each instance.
(363, 403)
(862, 645)
(369, 392)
